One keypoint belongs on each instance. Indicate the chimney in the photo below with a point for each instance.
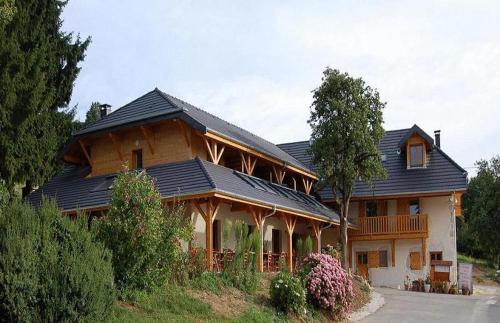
(105, 109)
(437, 137)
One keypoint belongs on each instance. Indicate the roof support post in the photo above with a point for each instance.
(317, 234)
(279, 174)
(290, 222)
(213, 150)
(349, 250)
(308, 183)
(393, 251)
(247, 163)
(424, 250)
(259, 219)
(208, 213)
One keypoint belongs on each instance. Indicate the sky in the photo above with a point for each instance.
(256, 63)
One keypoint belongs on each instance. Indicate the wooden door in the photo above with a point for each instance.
(362, 264)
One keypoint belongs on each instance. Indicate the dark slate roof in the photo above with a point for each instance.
(299, 150)
(157, 105)
(73, 190)
(415, 129)
(441, 175)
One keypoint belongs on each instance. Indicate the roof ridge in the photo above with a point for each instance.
(207, 175)
(107, 115)
(165, 95)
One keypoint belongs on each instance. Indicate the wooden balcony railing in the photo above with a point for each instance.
(394, 224)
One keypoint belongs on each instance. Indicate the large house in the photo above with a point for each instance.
(401, 226)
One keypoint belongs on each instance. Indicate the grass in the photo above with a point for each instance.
(210, 300)
(483, 271)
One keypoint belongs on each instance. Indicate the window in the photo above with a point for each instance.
(362, 258)
(414, 207)
(137, 158)
(276, 241)
(371, 209)
(436, 255)
(382, 258)
(417, 155)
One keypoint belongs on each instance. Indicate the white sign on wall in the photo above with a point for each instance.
(465, 275)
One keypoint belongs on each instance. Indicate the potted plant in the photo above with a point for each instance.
(427, 284)
(454, 289)
(446, 287)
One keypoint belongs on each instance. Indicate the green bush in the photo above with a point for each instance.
(242, 271)
(288, 294)
(51, 269)
(145, 237)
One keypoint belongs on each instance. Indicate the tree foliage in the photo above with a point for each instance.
(479, 234)
(143, 235)
(38, 67)
(346, 121)
(51, 267)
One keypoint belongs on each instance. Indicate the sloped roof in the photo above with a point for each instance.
(300, 150)
(157, 105)
(442, 174)
(72, 190)
(415, 129)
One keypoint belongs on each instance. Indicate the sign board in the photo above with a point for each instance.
(465, 275)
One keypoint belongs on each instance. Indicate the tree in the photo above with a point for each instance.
(346, 121)
(482, 210)
(93, 114)
(143, 235)
(38, 67)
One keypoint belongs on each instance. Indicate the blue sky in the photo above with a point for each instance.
(255, 63)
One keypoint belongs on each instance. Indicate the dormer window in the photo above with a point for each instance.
(417, 155)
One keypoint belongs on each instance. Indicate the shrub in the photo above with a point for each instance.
(287, 293)
(328, 286)
(51, 269)
(145, 237)
(210, 281)
(242, 271)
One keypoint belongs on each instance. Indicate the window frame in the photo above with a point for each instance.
(422, 155)
(386, 264)
(135, 159)
(436, 253)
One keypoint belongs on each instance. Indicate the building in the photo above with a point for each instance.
(225, 173)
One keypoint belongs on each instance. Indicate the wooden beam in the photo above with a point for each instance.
(116, 143)
(393, 252)
(208, 213)
(146, 132)
(82, 145)
(209, 148)
(294, 183)
(424, 250)
(290, 222)
(279, 174)
(307, 184)
(71, 159)
(317, 234)
(349, 251)
(231, 143)
(247, 163)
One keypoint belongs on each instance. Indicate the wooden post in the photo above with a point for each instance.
(424, 250)
(317, 235)
(349, 250)
(393, 250)
(257, 217)
(212, 207)
(290, 222)
(247, 163)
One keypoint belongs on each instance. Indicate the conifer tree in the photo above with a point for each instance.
(38, 67)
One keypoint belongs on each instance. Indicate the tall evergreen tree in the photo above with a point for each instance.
(93, 114)
(38, 66)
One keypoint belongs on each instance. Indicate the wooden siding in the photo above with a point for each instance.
(388, 225)
(169, 145)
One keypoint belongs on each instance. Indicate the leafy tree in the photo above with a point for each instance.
(143, 235)
(38, 67)
(346, 121)
(482, 211)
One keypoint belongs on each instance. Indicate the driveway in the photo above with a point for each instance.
(402, 306)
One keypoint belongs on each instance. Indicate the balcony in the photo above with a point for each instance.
(390, 227)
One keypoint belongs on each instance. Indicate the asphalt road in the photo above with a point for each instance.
(402, 306)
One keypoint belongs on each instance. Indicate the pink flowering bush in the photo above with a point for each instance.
(328, 286)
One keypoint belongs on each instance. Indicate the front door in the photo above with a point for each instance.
(362, 264)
